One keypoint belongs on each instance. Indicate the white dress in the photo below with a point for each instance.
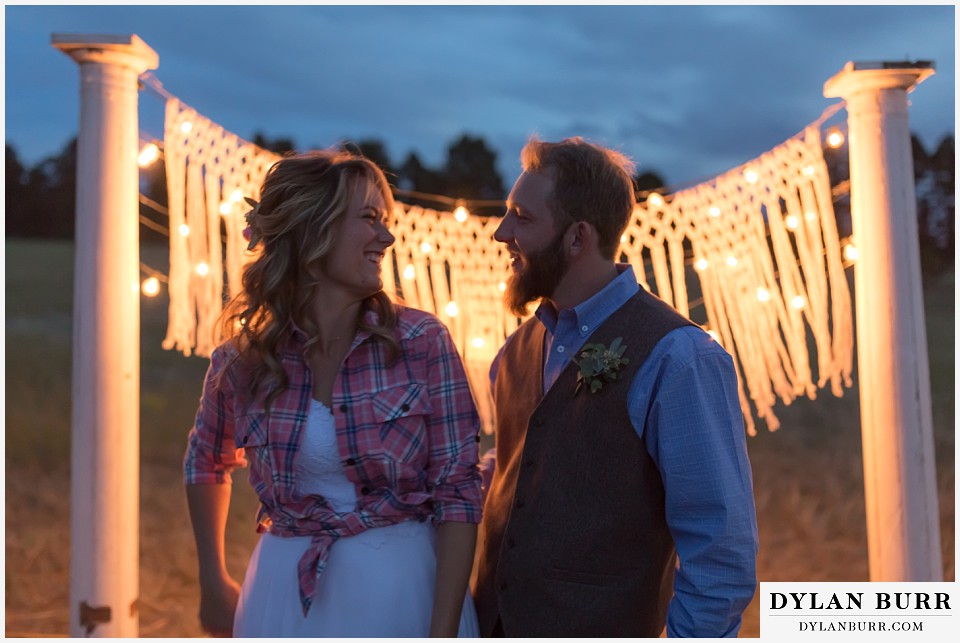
(378, 583)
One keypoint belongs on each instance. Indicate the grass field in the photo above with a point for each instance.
(808, 476)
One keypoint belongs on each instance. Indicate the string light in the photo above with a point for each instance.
(751, 176)
(150, 286)
(792, 222)
(701, 264)
(409, 272)
(851, 252)
(732, 261)
(623, 238)
(809, 170)
(148, 154)
(236, 196)
(834, 138)
(502, 286)
(655, 200)
(425, 247)
(461, 214)
(478, 342)
(203, 269)
(714, 335)
(714, 211)
(226, 208)
(798, 302)
(763, 294)
(452, 309)
(186, 126)
(810, 216)
(184, 229)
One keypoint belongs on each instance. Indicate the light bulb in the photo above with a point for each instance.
(409, 272)
(184, 229)
(714, 211)
(701, 264)
(834, 138)
(203, 269)
(732, 261)
(186, 126)
(452, 309)
(148, 154)
(655, 200)
(751, 176)
(851, 252)
(792, 222)
(461, 214)
(763, 294)
(425, 247)
(798, 302)
(150, 286)
(478, 342)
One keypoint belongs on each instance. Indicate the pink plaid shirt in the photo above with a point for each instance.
(407, 435)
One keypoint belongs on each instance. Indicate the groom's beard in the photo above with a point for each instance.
(539, 275)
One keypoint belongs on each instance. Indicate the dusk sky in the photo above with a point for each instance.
(688, 92)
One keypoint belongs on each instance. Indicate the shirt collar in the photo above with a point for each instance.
(592, 312)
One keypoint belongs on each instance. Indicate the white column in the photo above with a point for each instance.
(105, 460)
(903, 526)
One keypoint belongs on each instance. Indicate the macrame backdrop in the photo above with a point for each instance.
(757, 246)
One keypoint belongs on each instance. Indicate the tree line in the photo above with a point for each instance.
(40, 199)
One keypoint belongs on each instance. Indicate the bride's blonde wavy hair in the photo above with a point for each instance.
(302, 200)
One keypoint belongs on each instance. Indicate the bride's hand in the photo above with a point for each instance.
(218, 603)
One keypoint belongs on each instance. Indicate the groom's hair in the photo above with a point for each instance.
(590, 183)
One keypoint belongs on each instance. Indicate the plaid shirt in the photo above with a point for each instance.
(407, 435)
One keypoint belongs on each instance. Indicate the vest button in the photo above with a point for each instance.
(519, 503)
(365, 490)
(351, 462)
(511, 544)
(528, 462)
(538, 421)
(503, 584)
(343, 408)
(405, 408)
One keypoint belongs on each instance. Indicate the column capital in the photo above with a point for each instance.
(123, 50)
(857, 77)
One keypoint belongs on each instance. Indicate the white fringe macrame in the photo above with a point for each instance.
(763, 238)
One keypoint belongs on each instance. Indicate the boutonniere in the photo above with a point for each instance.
(599, 364)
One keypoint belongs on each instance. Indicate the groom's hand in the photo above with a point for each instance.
(218, 603)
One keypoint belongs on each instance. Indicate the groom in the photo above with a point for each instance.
(603, 480)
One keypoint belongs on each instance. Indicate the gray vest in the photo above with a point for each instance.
(574, 541)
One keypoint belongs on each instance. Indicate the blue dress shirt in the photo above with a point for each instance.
(684, 400)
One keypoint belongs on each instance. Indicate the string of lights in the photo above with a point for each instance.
(841, 190)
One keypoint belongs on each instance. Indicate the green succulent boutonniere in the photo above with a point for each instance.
(599, 364)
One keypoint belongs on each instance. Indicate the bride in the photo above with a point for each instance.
(355, 417)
